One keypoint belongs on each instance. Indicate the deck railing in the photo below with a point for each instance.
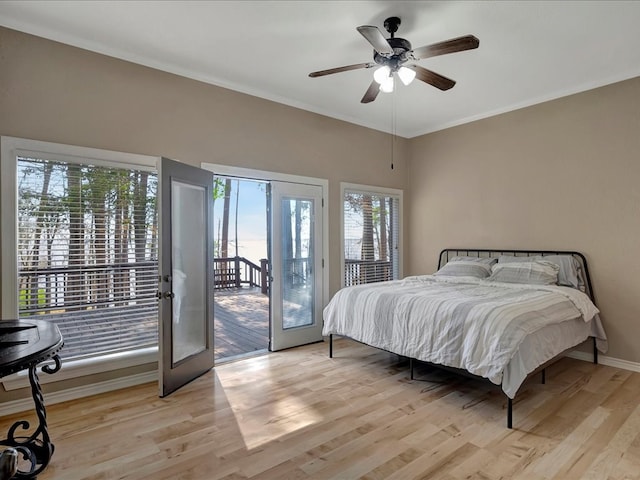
(234, 272)
(366, 271)
(95, 286)
(90, 286)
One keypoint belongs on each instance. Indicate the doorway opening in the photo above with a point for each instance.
(288, 209)
(241, 279)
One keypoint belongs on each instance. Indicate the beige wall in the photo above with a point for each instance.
(560, 175)
(56, 93)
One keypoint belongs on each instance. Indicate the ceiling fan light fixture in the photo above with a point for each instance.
(387, 85)
(406, 75)
(382, 74)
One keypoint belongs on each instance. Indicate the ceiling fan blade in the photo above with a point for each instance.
(376, 39)
(468, 42)
(371, 93)
(321, 73)
(432, 78)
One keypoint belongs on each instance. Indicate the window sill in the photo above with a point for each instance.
(84, 367)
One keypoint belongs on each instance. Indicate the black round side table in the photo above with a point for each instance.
(24, 344)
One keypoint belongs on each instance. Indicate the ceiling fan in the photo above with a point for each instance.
(391, 54)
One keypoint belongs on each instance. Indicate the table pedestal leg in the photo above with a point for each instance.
(36, 449)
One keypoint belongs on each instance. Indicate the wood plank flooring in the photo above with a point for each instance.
(299, 415)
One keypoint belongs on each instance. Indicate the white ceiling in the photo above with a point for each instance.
(529, 52)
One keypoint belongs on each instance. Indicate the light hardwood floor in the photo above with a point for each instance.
(300, 415)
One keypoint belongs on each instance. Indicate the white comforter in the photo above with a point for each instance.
(459, 322)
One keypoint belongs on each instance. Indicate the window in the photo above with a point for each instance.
(371, 234)
(85, 246)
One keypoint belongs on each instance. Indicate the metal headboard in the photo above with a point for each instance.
(449, 253)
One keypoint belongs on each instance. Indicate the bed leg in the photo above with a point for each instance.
(331, 345)
(544, 376)
(411, 368)
(595, 351)
(509, 413)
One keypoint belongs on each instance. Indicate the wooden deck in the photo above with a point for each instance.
(241, 322)
(241, 326)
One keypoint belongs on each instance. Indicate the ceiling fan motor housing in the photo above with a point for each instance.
(401, 52)
(391, 24)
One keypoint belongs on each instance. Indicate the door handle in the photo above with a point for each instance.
(169, 295)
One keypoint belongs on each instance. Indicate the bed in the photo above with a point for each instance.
(502, 315)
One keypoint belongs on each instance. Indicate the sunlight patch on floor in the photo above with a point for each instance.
(260, 419)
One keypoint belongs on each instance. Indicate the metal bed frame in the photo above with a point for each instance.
(448, 253)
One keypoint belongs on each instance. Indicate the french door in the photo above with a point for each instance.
(185, 288)
(296, 264)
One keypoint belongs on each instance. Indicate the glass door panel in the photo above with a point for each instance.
(298, 283)
(189, 303)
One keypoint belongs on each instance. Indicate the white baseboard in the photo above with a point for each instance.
(85, 367)
(604, 360)
(25, 404)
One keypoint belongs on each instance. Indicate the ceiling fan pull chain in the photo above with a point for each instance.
(393, 125)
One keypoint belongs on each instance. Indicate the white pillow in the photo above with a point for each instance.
(538, 272)
(510, 259)
(465, 268)
(569, 275)
(483, 260)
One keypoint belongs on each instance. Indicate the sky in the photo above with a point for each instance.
(252, 219)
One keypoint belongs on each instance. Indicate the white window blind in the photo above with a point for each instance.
(87, 254)
(371, 232)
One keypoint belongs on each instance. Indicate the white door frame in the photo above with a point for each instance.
(231, 171)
